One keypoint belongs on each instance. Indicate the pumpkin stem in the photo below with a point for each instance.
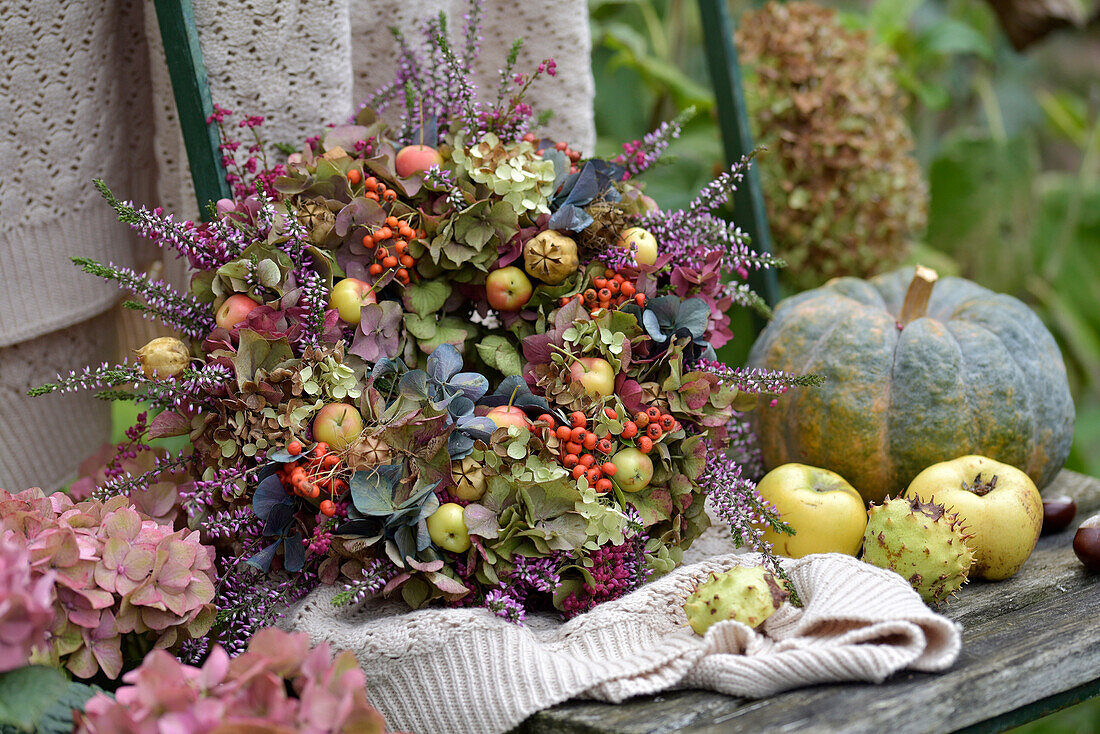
(916, 298)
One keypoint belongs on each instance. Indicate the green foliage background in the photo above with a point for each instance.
(1010, 143)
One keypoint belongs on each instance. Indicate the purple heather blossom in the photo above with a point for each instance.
(734, 499)
(639, 155)
(376, 573)
(501, 603)
(249, 601)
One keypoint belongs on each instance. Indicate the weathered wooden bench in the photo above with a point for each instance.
(1031, 646)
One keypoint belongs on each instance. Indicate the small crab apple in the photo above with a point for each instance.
(633, 470)
(508, 289)
(416, 159)
(508, 415)
(349, 296)
(643, 242)
(447, 528)
(337, 424)
(235, 309)
(595, 374)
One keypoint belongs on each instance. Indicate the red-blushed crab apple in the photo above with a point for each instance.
(595, 374)
(416, 159)
(508, 289)
(508, 415)
(337, 424)
(235, 309)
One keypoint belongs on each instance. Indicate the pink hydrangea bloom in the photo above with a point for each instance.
(248, 693)
(117, 572)
(26, 603)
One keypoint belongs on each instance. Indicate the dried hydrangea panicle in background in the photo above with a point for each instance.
(844, 195)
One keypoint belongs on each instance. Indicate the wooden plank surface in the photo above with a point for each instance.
(1030, 645)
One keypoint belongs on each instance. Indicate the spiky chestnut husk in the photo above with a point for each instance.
(747, 594)
(922, 542)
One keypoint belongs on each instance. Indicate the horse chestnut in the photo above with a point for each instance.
(1058, 513)
(1086, 543)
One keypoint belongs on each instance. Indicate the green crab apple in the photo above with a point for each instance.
(825, 511)
(633, 470)
(998, 505)
(416, 159)
(349, 296)
(235, 309)
(508, 415)
(643, 242)
(337, 424)
(508, 289)
(447, 528)
(595, 374)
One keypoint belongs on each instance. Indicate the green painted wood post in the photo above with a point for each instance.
(733, 121)
(193, 104)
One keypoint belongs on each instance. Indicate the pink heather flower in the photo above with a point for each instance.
(26, 603)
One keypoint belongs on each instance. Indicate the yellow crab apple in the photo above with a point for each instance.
(998, 504)
(643, 242)
(825, 511)
(447, 528)
(633, 470)
(349, 296)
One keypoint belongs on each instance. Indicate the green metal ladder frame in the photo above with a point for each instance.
(194, 105)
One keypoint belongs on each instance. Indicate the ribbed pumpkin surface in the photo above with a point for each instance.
(979, 374)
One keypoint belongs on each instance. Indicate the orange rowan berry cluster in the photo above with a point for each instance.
(313, 473)
(391, 248)
(610, 291)
(574, 156)
(648, 427)
(583, 452)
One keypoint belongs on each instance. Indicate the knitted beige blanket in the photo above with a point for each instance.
(465, 670)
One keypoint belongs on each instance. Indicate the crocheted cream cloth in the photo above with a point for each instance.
(465, 670)
(85, 93)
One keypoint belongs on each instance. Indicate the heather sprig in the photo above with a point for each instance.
(640, 155)
(249, 601)
(757, 380)
(186, 238)
(718, 192)
(375, 575)
(180, 311)
(445, 180)
(125, 483)
(90, 378)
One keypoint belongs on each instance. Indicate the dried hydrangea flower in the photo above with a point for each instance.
(26, 603)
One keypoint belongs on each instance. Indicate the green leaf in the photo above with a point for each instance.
(26, 694)
(426, 297)
(499, 353)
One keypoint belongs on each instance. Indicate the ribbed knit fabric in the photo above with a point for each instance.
(465, 670)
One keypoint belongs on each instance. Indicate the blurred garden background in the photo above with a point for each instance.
(1007, 142)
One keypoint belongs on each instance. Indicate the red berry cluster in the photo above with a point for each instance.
(314, 472)
(648, 427)
(391, 248)
(610, 291)
(578, 444)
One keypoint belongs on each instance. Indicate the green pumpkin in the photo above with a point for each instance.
(970, 372)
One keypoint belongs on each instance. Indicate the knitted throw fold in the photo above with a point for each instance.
(466, 670)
